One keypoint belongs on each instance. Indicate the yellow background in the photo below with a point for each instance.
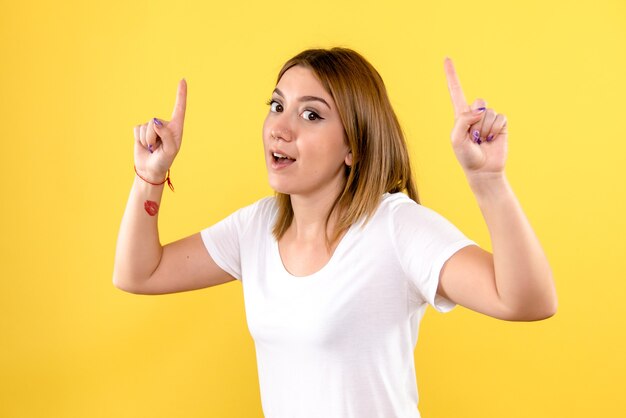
(77, 76)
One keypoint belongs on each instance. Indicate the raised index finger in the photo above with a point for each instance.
(181, 101)
(454, 85)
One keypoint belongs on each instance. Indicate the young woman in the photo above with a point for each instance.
(338, 268)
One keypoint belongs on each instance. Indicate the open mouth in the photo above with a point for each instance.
(281, 160)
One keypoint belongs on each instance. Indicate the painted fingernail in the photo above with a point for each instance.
(158, 122)
(481, 108)
(150, 148)
(476, 136)
(490, 137)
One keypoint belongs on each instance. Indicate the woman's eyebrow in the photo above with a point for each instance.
(304, 98)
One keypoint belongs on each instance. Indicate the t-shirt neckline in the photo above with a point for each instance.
(336, 254)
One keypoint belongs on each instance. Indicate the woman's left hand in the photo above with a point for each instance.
(479, 138)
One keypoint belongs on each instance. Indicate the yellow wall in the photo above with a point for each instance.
(76, 77)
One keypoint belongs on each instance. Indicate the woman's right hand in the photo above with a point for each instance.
(156, 146)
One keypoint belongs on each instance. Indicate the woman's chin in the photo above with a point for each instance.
(282, 190)
(279, 187)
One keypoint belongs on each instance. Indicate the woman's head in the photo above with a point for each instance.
(304, 126)
(376, 158)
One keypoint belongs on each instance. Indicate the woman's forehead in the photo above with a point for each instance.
(298, 80)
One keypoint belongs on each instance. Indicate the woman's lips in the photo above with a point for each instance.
(280, 159)
(280, 163)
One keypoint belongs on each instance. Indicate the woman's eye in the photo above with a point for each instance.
(277, 107)
(307, 114)
(274, 106)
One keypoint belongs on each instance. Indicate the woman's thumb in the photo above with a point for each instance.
(478, 103)
(153, 134)
(157, 123)
(464, 122)
(161, 128)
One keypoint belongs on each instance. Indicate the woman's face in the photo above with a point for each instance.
(303, 125)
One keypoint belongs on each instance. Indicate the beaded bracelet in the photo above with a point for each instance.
(169, 182)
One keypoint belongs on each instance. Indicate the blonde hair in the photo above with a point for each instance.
(380, 158)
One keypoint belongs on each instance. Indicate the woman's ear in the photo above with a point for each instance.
(349, 159)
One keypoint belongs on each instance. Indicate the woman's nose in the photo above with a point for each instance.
(280, 128)
(281, 133)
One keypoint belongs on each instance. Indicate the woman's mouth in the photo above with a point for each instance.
(281, 161)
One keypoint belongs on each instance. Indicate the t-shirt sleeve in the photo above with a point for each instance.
(424, 242)
(223, 239)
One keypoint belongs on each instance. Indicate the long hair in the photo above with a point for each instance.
(372, 131)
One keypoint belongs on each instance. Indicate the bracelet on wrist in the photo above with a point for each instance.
(169, 182)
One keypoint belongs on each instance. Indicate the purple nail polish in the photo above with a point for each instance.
(476, 136)
(490, 137)
(481, 108)
(158, 122)
(150, 148)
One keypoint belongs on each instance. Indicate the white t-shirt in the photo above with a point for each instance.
(339, 343)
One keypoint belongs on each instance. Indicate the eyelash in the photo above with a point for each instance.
(317, 117)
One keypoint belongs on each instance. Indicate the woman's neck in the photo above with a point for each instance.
(310, 214)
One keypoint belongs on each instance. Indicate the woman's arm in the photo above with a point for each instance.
(138, 250)
(515, 283)
(142, 265)
(156, 145)
(145, 267)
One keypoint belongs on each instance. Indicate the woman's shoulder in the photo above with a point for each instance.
(388, 206)
(254, 217)
(399, 205)
(260, 208)
(390, 202)
(396, 198)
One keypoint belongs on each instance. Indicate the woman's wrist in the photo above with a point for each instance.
(147, 179)
(150, 177)
(489, 186)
